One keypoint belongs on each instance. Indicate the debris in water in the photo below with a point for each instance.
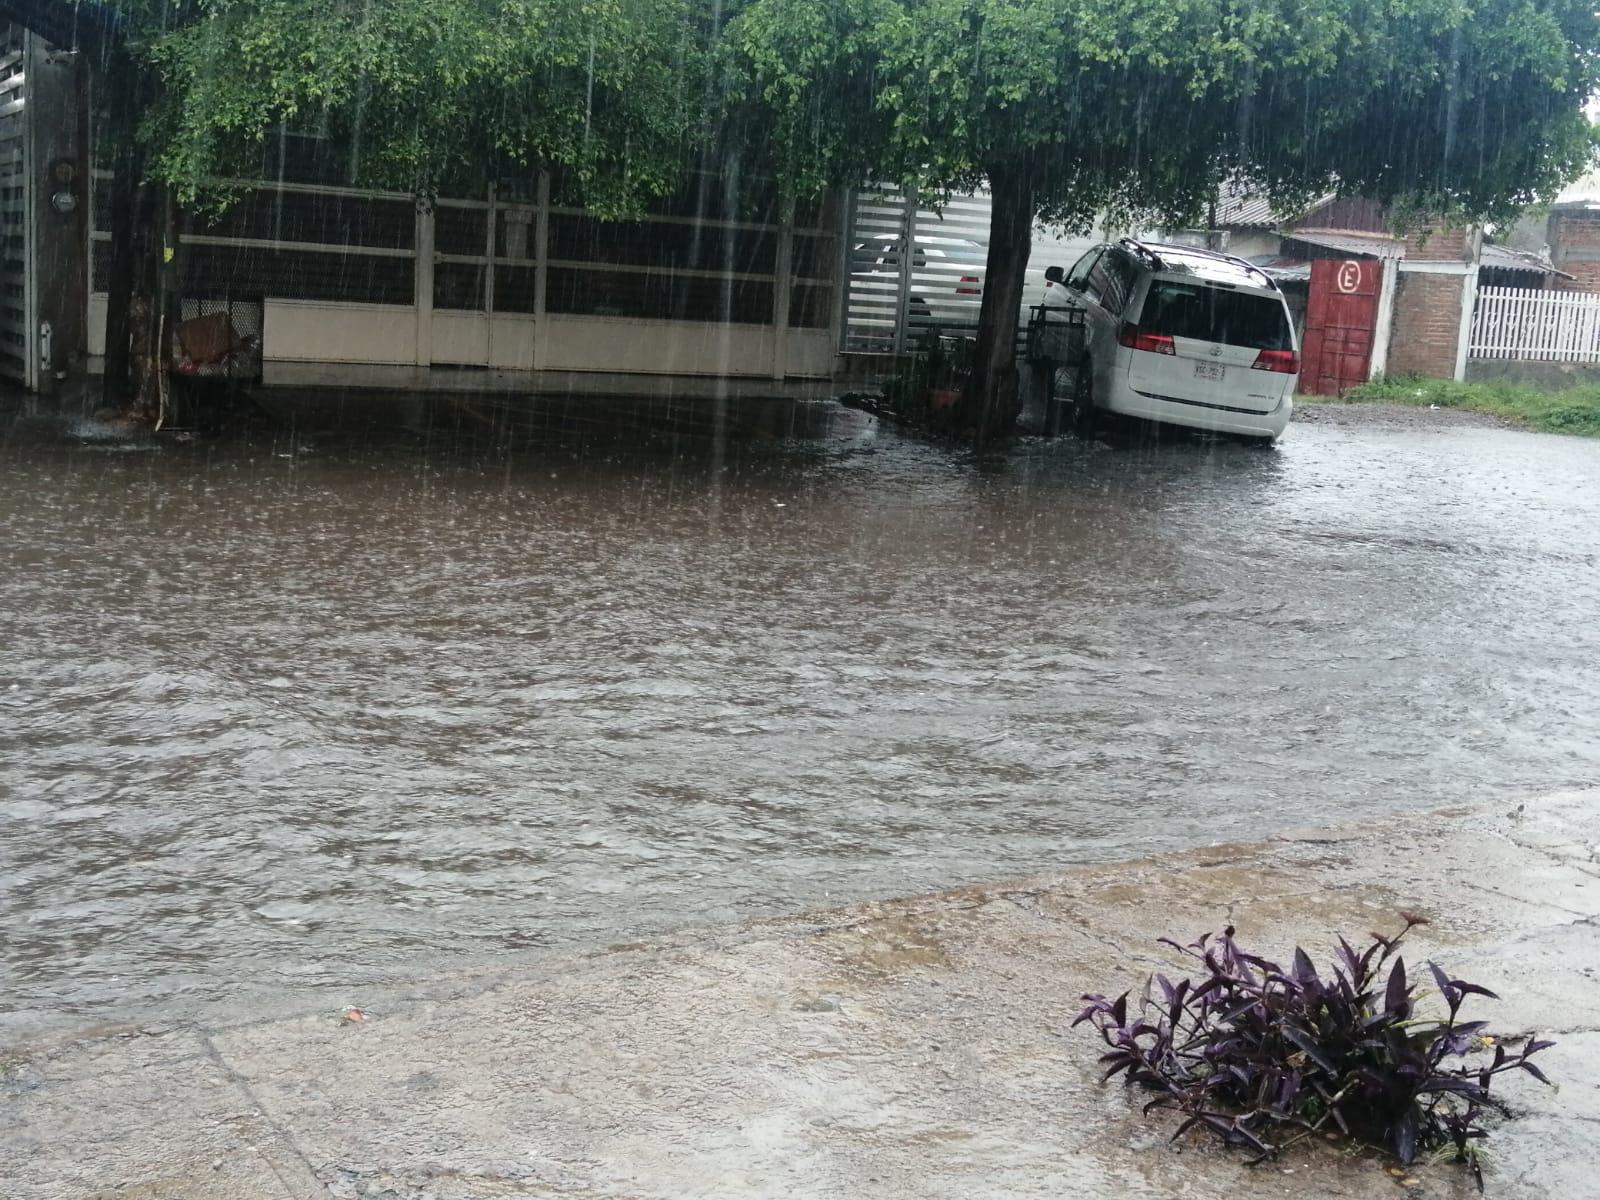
(817, 1004)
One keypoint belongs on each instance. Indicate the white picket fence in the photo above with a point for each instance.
(1527, 324)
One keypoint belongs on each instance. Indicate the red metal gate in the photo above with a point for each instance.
(1341, 312)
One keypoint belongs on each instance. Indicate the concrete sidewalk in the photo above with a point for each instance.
(916, 1048)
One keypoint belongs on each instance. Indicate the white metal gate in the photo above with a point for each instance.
(19, 285)
(895, 298)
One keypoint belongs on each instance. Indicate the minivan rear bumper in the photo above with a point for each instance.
(1198, 415)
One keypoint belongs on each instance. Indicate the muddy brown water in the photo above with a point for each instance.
(288, 716)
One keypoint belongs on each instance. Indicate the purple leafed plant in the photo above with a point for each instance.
(1261, 1056)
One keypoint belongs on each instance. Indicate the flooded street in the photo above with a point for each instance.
(287, 716)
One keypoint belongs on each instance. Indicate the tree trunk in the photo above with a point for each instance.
(155, 297)
(125, 249)
(991, 401)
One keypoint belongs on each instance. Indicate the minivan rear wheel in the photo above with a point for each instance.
(1083, 414)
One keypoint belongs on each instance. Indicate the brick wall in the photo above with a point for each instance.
(1575, 248)
(1427, 324)
(1442, 245)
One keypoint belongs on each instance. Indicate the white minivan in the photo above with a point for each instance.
(1183, 336)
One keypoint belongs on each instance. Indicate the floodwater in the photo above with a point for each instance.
(286, 717)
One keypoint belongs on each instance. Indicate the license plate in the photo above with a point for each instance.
(1209, 370)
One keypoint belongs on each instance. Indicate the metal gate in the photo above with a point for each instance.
(1341, 315)
(894, 298)
(19, 285)
(913, 269)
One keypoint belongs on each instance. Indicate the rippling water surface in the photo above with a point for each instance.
(286, 716)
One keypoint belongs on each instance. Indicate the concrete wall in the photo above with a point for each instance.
(1252, 243)
(1554, 376)
(299, 331)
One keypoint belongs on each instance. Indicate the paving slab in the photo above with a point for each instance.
(908, 1048)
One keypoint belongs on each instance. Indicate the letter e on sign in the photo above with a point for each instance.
(1349, 278)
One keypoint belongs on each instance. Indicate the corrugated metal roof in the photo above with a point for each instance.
(1244, 212)
(1367, 245)
(1241, 207)
(1504, 258)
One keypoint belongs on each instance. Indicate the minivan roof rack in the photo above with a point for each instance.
(1252, 269)
(1155, 260)
(1144, 252)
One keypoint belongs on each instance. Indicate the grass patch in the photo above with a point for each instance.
(1573, 410)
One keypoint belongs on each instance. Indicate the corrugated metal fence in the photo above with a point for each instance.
(1521, 323)
(19, 284)
(895, 298)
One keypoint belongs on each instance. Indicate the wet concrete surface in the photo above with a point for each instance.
(909, 1048)
(1394, 416)
(287, 714)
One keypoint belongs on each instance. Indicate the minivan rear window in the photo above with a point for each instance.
(1208, 314)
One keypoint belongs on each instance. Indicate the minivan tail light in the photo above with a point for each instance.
(1285, 362)
(1135, 338)
(968, 291)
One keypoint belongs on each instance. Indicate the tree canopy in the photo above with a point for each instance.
(423, 92)
(1145, 105)
(1123, 105)
(1066, 109)
(1063, 109)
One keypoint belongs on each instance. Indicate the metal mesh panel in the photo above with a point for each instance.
(666, 297)
(284, 242)
(514, 232)
(273, 215)
(297, 274)
(100, 202)
(816, 212)
(460, 230)
(814, 256)
(246, 325)
(348, 225)
(811, 306)
(708, 196)
(459, 286)
(100, 266)
(663, 244)
(301, 157)
(513, 288)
